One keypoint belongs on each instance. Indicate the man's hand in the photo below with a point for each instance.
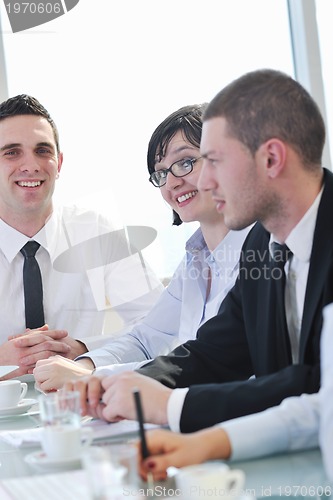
(91, 392)
(76, 348)
(43, 328)
(52, 373)
(111, 398)
(119, 401)
(178, 450)
(25, 350)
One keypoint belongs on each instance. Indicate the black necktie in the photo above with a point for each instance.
(33, 289)
(281, 253)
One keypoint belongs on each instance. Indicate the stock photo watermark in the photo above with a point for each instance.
(194, 492)
(215, 492)
(25, 15)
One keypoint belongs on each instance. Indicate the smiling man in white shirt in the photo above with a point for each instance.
(75, 301)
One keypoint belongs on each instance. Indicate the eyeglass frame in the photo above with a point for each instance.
(192, 161)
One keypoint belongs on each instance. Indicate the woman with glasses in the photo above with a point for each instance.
(201, 281)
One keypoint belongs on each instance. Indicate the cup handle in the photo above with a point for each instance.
(87, 436)
(24, 388)
(235, 481)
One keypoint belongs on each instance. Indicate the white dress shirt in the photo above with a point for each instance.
(293, 425)
(326, 391)
(77, 292)
(182, 307)
(300, 243)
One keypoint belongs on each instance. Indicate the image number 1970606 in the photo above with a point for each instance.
(25, 15)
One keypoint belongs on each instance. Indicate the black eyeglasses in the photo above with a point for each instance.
(178, 169)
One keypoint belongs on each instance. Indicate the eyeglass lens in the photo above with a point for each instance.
(178, 169)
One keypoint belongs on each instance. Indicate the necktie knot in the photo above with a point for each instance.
(30, 249)
(281, 253)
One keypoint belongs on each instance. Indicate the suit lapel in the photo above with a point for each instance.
(320, 260)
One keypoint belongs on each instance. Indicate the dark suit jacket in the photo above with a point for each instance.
(249, 337)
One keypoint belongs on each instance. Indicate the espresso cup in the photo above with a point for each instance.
(11, 393)
(210, 480)
(62, 435)
(65, 441)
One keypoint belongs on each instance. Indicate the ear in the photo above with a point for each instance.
(60, 160)
(273, 156)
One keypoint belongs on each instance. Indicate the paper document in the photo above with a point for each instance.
(101, 430)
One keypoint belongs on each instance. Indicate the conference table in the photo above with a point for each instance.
(297, 474)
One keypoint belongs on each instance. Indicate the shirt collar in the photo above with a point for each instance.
(196, 243)
(227, 252)
(11, 240)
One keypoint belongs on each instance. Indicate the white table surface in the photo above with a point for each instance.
(298, 474)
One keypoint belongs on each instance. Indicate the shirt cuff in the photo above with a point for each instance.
(175, 408)
(118, 368)
(256, 435)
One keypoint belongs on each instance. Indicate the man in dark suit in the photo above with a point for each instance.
(262, 143)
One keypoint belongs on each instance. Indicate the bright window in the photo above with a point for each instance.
(324, 14)
(110, 71)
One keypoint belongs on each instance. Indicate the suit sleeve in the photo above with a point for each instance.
(206, 405)
(213, 357)
(218, 371)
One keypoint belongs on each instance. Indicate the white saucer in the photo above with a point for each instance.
(40, 460)
(4, 370)
(21, 408)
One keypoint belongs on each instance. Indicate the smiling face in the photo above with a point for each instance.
(29, 165)
(181, 193)
(236, 180)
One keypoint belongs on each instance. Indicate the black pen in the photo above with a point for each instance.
(144, 448)
(139, 414)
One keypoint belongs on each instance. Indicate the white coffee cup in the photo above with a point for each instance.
(62, 435)
(210, 480)
(11, 393)
(65, 441)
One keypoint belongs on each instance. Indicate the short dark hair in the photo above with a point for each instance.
(27, 105)
(267, 103)
(188, 120)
